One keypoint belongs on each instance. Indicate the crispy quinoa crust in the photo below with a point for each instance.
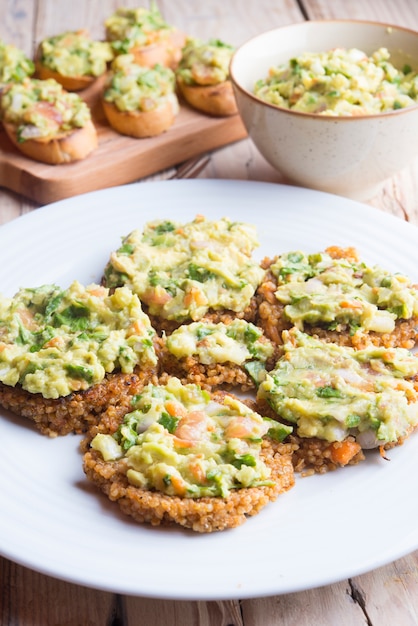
(202, 515)
(249, 314)
(311, 455)
(209, 377)
(271, 319)
(78, 411)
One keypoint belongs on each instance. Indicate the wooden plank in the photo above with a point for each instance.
(148, 612)
(27, 597)
(118, 159)
(320, 607)
(390, 594)
(402, 12)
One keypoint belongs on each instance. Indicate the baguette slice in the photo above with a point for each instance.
(217, 100)
(163, 52)
(140, 124)
(73, 49)
(70, 83)
(64, 148)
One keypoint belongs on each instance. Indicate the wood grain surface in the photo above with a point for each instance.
(384, 597)
(118, 159)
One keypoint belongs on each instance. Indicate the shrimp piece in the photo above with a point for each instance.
(192, 426)
(55, 342)
(157, 295)
(27, 318)
(97, 291)
(244, 428)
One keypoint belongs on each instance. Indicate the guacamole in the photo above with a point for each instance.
(205, 63)
(131, 87)
(14, 64)
(55, 341)
(340, 82)
(180, 271)
(135, 28)
(331, 392)
(342, 293)
(42, 108)
(180, 441)
(239, 342)
(74, 53)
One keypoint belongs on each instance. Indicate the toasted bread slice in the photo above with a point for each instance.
(73, 59)
(47, 123)
(166, 51)
(146, 35)
(70, 83)
(64, 148)
(141, 124)
(217, 100)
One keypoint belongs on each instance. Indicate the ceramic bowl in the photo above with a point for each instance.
(349, 156)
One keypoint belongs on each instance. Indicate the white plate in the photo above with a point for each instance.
(325, 529)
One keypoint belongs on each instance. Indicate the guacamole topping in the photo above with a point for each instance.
(55, 341)
(180, 441)
(14, 65)
(182, 270)
(132, 87)
(318, 289)
(340, 82)
(135, 28)
(42, 108)
(239, 342)
(74, 53)
(332, 392)
(205, 63)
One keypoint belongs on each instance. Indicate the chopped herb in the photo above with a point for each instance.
(352, 421)
(167, 480)
(164, 227)
(328, 392)
(244, 459)
(169, 422)
(203, 332)
(126, 248)
(41, 338)
(256, 370)
(277, 430)
(199, 274)
(79, 371)
(76, 316)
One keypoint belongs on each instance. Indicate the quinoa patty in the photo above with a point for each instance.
(185, 456)
(344, 282)
(214, 355)
(78, 411)
(202, 515)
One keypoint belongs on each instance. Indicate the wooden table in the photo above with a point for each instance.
(382, 597)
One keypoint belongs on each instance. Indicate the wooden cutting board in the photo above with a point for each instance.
(118, 159)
